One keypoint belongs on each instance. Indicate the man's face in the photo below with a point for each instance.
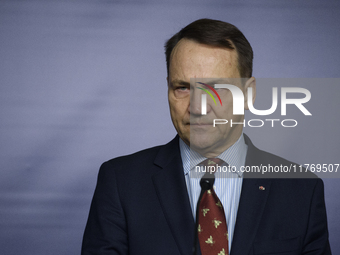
(193, 60)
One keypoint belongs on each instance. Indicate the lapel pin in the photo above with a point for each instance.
(262, 188)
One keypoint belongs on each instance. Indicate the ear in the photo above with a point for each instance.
(251, 83)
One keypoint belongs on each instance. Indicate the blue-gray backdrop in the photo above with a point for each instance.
(84, 81)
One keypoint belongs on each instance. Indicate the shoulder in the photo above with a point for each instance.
(139, 157)
(289, 183)
(273, 166)
(142, 162)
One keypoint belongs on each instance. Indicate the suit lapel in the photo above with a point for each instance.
(172, 193)
(252, 203)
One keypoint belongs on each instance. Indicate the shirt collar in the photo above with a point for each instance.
(235, 156)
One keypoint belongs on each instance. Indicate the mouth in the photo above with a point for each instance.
(200, 123)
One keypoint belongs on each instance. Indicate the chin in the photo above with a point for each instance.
(200, 142)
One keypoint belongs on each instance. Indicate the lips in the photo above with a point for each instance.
(200, 124)
(200, 121)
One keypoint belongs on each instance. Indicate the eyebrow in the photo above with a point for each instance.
(216, 81)
(180, 82)
(187, 84)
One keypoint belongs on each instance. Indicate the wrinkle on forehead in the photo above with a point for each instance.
(190, 59)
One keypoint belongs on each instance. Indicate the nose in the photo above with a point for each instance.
(196, 102)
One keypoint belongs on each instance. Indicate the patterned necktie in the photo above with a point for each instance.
(212, 225)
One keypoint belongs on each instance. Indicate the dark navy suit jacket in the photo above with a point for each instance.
(141, 206)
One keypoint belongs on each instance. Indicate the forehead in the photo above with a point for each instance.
(190, 59)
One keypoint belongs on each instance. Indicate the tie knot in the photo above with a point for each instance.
(210, 166)
(212, 162)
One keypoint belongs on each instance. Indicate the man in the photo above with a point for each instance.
(145, 203)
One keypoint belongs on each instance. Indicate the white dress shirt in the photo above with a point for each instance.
(227, 185)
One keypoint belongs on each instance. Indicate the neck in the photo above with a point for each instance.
(216, 149)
